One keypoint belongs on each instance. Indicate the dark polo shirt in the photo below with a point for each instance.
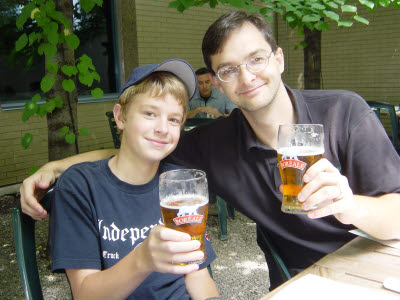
(244, 172)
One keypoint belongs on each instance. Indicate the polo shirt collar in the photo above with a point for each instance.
(303, 116)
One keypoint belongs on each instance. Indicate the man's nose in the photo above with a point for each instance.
(245, 76)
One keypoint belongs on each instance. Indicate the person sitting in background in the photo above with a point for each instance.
(208, 102)
(105, 230)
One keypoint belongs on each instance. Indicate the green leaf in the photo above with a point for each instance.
(59, 17)
(87, 5)
(361, 20)
(47, 83)
(348, 8)
(265, 10)
(42, 110)
(68, 85)
(236, 3)
(97, 93)
(72, 41)
(70, 138)
(187, 3)
(26, 140)
(341, 2)
(332, 4)
(50, 106)
(25, 116)
(384, 3)
(59, 102)
(345, 23)
(33, 170)
(33, 36)
(31, 107)
(69, 70)
(331, 15)
(36, 98)
(318, 6)
(21, 42)
(52, 67)
(51, 29)
(63, 131)
(25, 14)
(83, 131)
(304, 44)
(96, 76)
(311, 18)
(367, 3)
(48, 49)
(321, 26)
(174, 4)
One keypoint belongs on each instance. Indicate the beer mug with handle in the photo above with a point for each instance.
(184, 203)
(299, 147)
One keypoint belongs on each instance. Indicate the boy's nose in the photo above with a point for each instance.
(162, 126)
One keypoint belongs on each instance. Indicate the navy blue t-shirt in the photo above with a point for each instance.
(96, 219)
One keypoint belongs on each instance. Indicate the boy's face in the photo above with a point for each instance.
(250, 91)
(151, 127)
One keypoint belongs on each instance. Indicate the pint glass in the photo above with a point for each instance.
(299, 147)
(184, 203)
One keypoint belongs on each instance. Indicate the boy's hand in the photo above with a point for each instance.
(164, 249)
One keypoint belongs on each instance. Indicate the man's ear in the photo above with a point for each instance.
(118, 117)
(215, 81)
(280, 59)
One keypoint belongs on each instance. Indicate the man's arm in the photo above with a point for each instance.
(35, 186)
(327, 188)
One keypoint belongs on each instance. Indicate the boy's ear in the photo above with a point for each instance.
(118, 117)
(216, 82)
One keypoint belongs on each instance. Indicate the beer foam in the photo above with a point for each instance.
(301, 151)
(187, 200)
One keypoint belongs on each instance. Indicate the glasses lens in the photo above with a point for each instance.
(228, 73)
(257, 63)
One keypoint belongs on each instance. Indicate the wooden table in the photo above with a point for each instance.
(360, 262)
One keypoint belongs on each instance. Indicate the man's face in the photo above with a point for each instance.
(204, 85)
(250, 91)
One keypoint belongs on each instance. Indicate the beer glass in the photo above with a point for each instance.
(184, 203)
(299, 147)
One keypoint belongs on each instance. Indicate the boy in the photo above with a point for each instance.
(105, 215)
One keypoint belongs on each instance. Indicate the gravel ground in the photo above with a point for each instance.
(240, 270)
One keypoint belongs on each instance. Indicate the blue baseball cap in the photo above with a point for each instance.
(180, 68)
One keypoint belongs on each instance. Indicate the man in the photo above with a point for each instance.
(357, 184)
(208, 102)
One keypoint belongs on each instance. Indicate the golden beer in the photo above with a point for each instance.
(186, 213)
(293, 163)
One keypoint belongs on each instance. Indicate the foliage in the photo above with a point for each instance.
(43, 33)
(313, 14)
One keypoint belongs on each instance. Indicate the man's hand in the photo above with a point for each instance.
(330, 191)
(32, 191)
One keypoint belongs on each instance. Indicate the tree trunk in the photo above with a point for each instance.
(67, 115)
(312, 59)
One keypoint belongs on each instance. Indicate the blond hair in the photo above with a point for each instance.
(159, 84)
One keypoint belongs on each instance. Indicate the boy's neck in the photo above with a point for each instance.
(132, 170)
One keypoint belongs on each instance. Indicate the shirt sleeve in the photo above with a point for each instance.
(371, 163)
(73, 231)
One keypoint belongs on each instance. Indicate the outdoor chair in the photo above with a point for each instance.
(24, 239)
(383, 109)
(223, 208)
(25, 247)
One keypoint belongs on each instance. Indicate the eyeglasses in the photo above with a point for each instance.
(255, 64)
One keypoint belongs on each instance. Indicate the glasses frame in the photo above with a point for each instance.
(245, 64)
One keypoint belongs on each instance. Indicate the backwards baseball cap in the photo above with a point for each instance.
(180, 68)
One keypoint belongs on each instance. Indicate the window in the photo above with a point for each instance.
(20, 77)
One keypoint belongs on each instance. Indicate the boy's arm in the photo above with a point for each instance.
(35, 186)
(157, 253)
(200, 285)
